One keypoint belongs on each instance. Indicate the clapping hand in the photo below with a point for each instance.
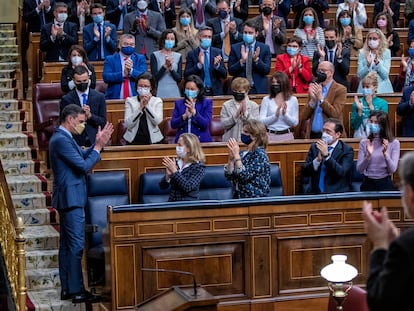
(358, 103)
(385, 144)
(243, 53)
(170, 166)
(370, 147)
(103, 136)
(234, 149)
(217, 60)
(322, 146)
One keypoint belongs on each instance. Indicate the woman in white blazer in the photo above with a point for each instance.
(143, 114)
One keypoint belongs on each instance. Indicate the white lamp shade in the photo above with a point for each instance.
(339, 271)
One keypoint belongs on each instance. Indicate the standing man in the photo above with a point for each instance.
(207, 63)
(326, 100)
(147, 27)
(251, 60)
(100, 37)
(334, 53)
(202, 10)
(91, 101)
(405, 109)
(122, 69)
(117, 9)
(37, 13)
(328, 166)
(225, 29)
(391, 271)
(57, 37)
(70, 164)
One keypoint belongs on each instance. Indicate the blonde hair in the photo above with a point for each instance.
(257, 130)
(179, 28)
(240, 83)
(383, 45)
(195, 152)
(371, 79)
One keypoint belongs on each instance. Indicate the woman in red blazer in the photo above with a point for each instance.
(296, 66)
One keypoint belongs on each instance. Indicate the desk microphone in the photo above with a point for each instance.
(175, 271)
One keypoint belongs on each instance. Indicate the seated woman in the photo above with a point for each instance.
(391, 7)
(356, 9)
(348, 34)
(166, 66)
(309, 31)
(184, 175)
(406, 75)
(384, 22)
(279, 110)
(76, 56)
(378, 155)
(187, 39)
(235, 111)
(375, 56)
(193, 113)
(295, 65)
(249, 171)
(143, 114)
(362, 108)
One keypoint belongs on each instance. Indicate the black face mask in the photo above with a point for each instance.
(238, 96)
(267, 11)
(275, 89)
(320, 77)
(330, 44)
(82, 87)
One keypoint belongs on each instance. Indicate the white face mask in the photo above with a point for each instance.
(181, 153)
(143, 91)
(76, 60)
(327, 138)
(62, 17)
(142, 5)
(373, 44)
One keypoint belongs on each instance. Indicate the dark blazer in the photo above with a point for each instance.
(341, 68)
(113, 13)
(338, 170)
(200, 124)
(260, 70)
(243, 14)
(216, 74)
(395, 7)
(113, 74)
(67, 76)
(406, 111)
(61, 45)
(215, 23)
(33, 19)
(390, 275)
(73, 14)
(279, 39)
(97, 104)
(70, 164)
(169, 15)
(92, 46)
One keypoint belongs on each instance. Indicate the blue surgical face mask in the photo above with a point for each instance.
(246, 139)
(169, 44)
(374, 128)
(411, 52)
(248, 38)
(292, 51)
(367, 91)
(127, 50)
(190, 93)
(185, 21)
(307, 19)
(345, 21)
(205, 43)
(98, 19)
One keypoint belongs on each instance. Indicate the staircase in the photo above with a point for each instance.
(28, 186)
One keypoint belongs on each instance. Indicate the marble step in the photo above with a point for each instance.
(7, 73)
(10, 116)
(9, 57)
(8, 41)
(31, 200)
(34, 217)
(16, 153)
(44, 259)
(49, 300)
(9, 49)
(7, 93)
(41, 238)
(16, 168)
(9, 66)
(40, 279)
(11, 140)
(25, 184)
(12, 127)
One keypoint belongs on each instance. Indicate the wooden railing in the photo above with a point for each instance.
(12, 244)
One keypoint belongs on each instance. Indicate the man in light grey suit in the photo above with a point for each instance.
(146, 26)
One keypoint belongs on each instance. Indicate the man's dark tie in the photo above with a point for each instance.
(331, 56)
(99, 52)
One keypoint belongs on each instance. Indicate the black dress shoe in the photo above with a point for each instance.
(86, 297)
(64, 295)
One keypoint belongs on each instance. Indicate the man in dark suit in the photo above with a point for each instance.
(91, 101)
(202, 10)
(99, 38)
(70, 164)
(117, 9)
(57, 37)
(226, 29)
(166, 8)
(405, 109)
(37, 13)
(122, 69)
(258, 68)
(147, 27)
(207, 63)
(328, 166)
(334, 53)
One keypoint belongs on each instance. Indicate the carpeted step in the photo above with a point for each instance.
(11, 140)
(7, 93)
(12, 127)
(31, 200)
(9, 57)
(16, 168)
(16, 153)
(47, 300)
(7, 73)
(9, 105)
(10, 116)
(44, 259)
(7, 83)
(34, 217)
(7, 32)
(9, 27)
(39, 279)
(9, 66)
(8, 49)
(41, 238)
(8, 41)
(26, 184)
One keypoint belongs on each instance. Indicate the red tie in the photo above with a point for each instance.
(126, 84)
